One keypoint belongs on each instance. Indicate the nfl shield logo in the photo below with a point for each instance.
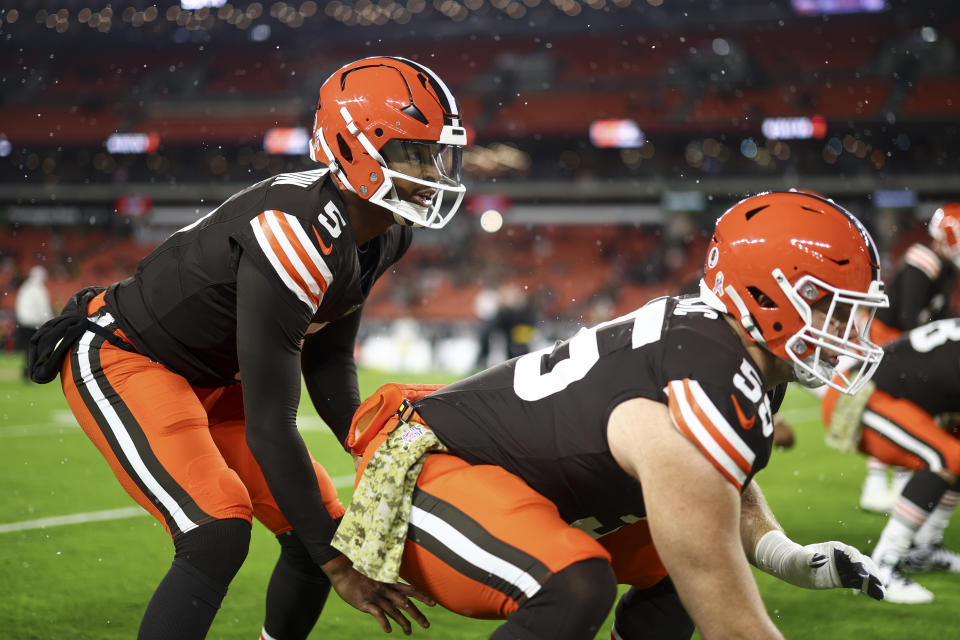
(412, 434)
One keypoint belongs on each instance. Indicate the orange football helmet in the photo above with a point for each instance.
(945, 229)
(384, 119)
(773, 257)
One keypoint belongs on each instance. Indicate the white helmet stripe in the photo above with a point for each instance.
(451, 105)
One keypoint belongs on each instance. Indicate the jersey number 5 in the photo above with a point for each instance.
(530, 384)
(332, 220)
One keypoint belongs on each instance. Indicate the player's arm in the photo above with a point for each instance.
(694, 518)
(913, 294)
(823, 565)
(269, 330)
(330, 373)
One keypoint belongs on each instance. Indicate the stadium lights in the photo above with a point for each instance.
(619, 133)
(827, 7)
(287, 141)
(794, 128)
(133, 142)
(190, 5)
(491, 221)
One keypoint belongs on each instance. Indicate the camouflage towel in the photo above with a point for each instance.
(843, 432)
(374, 529)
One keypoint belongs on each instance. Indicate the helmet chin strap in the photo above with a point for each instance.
(404, 222)
(411, 209)
(817, 374)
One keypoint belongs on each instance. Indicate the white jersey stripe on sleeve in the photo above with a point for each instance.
(707, 444)
(300, 179)
(311, 251)
(275, 219)
(278, 266)
(924, 259)
(728, 432)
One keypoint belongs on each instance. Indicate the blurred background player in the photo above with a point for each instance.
(188, 375)
(897, 419)
(32, 310)
(921, 290)
(627, 452)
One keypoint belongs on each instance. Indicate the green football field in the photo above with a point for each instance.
(91, 578)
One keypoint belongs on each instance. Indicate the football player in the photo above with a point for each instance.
(919, 292)
(627, 454)
(187, 375)
(895, 420)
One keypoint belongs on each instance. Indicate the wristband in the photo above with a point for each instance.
(774, 551)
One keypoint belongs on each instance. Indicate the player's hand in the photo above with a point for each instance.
(824, 565)
(379, 599)
(839, 565)
(783, 435)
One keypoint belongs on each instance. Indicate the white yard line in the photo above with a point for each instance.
(76, 518)
(45, 429)
(113, 514)
(65, 424)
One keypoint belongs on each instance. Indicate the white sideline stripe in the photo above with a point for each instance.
(75, 518)
(56, 428)
(113, 514)
(44, 429)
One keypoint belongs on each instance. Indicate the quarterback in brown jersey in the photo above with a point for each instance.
(187, 375)
(627, 454)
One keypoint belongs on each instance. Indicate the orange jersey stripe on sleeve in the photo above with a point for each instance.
(681, 425)
(301, 245)
(699, 419)
(280, 260)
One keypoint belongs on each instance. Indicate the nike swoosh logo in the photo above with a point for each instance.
(323, 248)
(746, 424)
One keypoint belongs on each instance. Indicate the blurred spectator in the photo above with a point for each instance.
(485, 307)
(32, 309)
(516, 320)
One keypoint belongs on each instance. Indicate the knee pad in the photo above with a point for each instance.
(652, 614)
(216, 549)
(572, 603)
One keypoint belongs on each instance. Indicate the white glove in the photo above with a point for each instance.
(825, 565)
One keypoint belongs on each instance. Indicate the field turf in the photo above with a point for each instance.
(92, 579)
